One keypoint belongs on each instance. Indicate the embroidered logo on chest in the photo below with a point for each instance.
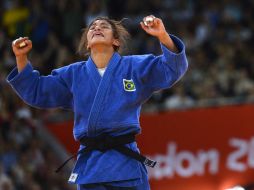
(129, 85)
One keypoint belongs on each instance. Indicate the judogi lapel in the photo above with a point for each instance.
(102, 84)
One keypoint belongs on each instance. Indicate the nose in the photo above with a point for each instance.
(97, 28)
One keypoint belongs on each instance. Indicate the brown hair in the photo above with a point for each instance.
(119, 32)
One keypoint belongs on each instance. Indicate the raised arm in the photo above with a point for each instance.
(155, 27)
(159, 72)
(21, 47)
(39, 91)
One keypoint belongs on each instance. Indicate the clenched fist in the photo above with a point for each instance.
(155, 27)
(21, 48)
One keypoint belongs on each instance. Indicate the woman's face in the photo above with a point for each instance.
(101, 33)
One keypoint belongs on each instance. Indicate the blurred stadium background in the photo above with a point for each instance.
(201, 130)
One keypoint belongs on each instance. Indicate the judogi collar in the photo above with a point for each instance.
(101, 84)
(110, 67)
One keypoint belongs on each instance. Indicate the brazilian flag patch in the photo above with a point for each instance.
(129, 85)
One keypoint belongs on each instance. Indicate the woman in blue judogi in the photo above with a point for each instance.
(105, 93)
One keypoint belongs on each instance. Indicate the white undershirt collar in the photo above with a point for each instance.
(101, 71)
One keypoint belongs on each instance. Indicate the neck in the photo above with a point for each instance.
(101, 57)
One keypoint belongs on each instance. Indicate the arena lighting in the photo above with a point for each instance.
(236, 188)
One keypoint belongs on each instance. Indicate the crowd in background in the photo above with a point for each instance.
(218, 36)
(26, 161)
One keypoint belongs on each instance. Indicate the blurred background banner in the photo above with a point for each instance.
(208, 149)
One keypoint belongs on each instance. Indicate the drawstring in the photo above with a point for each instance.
(60, 167)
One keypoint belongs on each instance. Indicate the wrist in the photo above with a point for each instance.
(163, 37)
(166, 40)
(21, 62)
(21, 57)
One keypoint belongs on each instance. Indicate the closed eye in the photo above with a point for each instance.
(102, 25)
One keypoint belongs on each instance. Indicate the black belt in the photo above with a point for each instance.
(106, 142)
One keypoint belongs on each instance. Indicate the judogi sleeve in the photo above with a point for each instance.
(160, 72)
(42, 91)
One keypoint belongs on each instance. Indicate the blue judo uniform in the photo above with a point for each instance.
(109, 104)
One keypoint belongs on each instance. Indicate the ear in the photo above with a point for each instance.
(87, 47)
(116, 42)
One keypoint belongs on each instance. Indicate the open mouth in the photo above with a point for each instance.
(96, 34)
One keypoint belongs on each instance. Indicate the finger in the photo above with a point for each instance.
(144, 21)
(156, 21)
(29, 43)
(143, 26)
(22, 44)
(152, 16)
(19, 42)
(148, 20)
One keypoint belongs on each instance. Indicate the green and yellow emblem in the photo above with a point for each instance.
(129, 85)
